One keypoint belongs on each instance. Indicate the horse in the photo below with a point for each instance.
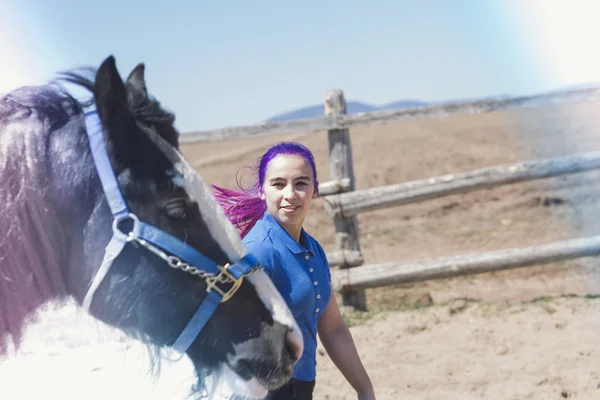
(57, 226)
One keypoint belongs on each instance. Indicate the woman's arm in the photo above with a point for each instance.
(338, 343)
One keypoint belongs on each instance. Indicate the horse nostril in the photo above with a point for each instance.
(293, 345)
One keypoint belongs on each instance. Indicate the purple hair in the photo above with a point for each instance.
(245, 207)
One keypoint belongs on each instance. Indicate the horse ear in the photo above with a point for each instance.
(110, 95)
(111, 102)
(136, 81)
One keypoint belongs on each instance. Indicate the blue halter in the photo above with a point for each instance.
(161, 243)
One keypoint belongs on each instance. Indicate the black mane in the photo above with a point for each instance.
(50, 102)
(145, 108)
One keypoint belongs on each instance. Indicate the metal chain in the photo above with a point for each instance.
(176, 263)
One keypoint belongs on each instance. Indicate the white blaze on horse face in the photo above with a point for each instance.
(224, 233)
(267, 292)
(219, 226)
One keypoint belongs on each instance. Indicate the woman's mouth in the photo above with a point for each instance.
(290, 209)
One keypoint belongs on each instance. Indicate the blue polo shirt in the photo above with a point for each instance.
(301, 274)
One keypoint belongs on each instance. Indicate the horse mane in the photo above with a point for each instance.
(142, 106)
(32, 250)
(32, 241)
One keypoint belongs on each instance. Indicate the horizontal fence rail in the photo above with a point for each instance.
(353, 203)
(378, 117)
(343, 203)
(349, 258)
(368, 276)
(333, 187)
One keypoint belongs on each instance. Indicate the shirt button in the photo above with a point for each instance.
(316, 283)
(318, 296)
(317, 310)
(311, 270)
(307, 256)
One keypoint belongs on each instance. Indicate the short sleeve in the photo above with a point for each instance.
(266, 255)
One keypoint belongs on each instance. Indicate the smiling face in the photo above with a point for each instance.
(288, 190)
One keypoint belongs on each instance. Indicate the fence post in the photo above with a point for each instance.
(340, 163)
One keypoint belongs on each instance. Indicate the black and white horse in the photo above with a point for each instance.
(56, 223)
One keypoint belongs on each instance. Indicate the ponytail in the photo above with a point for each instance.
(243, 208)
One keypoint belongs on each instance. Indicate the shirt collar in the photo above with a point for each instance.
(286, 238)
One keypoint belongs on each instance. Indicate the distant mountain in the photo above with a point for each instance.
(473, 99)
(398, 105)
(355, 107)
(577, 86)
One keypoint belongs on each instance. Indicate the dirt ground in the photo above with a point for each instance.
(463, 350)
(503, 344)
(526, 333)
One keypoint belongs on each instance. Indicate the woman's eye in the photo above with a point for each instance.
(175, 208)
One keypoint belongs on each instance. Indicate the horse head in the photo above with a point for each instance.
(252, 337)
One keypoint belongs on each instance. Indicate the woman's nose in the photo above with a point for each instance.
(289, 192)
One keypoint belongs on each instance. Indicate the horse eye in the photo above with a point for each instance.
(175, 208)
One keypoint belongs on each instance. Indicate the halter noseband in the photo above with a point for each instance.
(162, 244)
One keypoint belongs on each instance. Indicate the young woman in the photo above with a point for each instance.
(270, 216)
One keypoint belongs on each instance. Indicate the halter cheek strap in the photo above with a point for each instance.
(173, 251)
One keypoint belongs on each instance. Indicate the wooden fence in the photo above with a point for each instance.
(343, 203)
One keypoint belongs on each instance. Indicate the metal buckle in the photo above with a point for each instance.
(224, 276)
(118, 233)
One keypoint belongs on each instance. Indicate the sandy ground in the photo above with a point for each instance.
(463, 350)
(419, 341)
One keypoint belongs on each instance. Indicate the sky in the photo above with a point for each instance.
(228, 63)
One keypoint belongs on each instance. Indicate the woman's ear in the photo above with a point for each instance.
(261, 193)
